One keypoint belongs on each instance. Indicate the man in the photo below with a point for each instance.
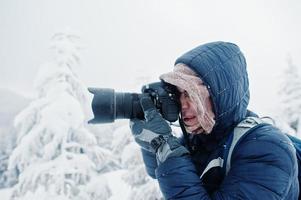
(214, 94)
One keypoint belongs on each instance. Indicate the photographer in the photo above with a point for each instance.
(213, 88)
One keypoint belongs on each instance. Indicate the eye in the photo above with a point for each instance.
(186, 95)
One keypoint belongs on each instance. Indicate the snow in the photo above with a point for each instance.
(290, 95)
(5, 193)
(56, 156)
(119, 188)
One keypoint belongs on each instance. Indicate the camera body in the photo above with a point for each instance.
(107, 105)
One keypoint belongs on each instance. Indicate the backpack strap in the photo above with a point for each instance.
(240, 130)
(217, 162)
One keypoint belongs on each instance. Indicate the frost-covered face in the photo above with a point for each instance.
(189, 113)
(199, 105)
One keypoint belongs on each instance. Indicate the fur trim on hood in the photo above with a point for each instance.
(185, 78)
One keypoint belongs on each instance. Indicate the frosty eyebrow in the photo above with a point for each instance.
(184, 92)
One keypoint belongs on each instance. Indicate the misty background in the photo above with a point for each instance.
(126, 40)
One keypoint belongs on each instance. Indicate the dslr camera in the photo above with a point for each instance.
(108, 105)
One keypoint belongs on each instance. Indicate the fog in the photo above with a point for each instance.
(125, 41)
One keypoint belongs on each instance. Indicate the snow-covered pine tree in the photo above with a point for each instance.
(56, 156)
(3, 168)
(142, 185)
(290, 94)
(8, 178)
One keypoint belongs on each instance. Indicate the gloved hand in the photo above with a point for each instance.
(154, 134)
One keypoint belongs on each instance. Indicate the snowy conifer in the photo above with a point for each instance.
(143, 187)
(290, 93)
(56, 156)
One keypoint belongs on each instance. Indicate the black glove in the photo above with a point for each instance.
(154, 134)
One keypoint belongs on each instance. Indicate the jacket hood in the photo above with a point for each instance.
(222, 68)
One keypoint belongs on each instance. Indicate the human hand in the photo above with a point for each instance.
(145, 131)
(154, 133)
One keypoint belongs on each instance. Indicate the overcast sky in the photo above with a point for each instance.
(126, 40)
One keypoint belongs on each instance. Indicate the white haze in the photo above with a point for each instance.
(134, 39)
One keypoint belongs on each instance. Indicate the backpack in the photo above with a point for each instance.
(240, 130)
(243, 128)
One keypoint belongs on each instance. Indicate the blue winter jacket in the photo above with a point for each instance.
(263, 164)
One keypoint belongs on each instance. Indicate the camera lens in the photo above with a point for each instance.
(108, 105)
(103, 105)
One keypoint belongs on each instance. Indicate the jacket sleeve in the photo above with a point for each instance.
(260, 169)
(178, 179)
(150, 161)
